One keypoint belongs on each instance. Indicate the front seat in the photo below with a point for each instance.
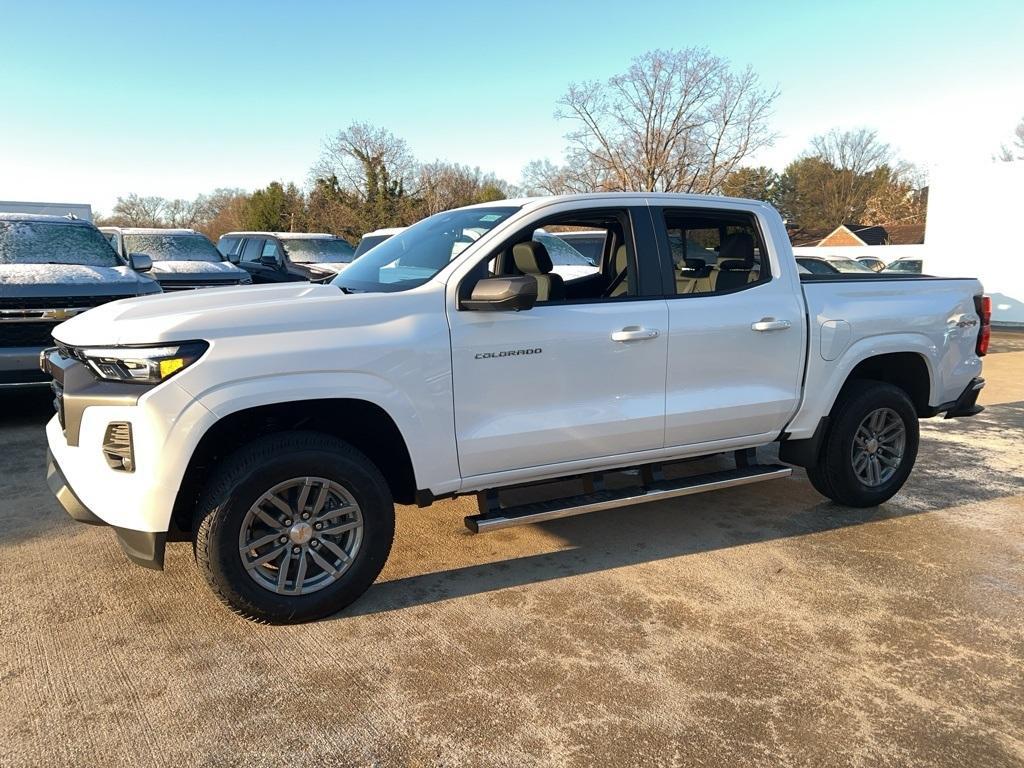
(532, 258)
(735, 261)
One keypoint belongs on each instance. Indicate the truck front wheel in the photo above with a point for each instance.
(871, 445)
(293, 527)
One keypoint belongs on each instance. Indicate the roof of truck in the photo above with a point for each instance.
(149, 230)
(286, 235)
(655, 197)
(44, 217)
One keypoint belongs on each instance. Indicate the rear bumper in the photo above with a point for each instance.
(966, 404)
(143, 548)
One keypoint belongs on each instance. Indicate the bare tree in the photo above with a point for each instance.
(675, 121)
(1006, 153)
(138, 211)
(441, 186)
(361, 150)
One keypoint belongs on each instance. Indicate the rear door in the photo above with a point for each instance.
(736, 340)
(570, 380)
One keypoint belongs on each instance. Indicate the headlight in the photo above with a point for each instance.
(142, 365)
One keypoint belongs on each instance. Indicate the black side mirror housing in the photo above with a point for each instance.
(502, 294)
(270, 261)
(140, 262)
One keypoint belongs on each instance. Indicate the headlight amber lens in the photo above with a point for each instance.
(142, 365)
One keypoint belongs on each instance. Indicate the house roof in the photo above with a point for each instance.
(869, 234)
(905, 234)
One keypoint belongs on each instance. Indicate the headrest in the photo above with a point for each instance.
(531, 258)
(739, 247)
(621, 259)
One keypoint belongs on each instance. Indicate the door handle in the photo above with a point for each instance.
(770, 324)
(634, 333)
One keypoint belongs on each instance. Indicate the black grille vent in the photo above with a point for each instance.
(26, 334)
(117, 446)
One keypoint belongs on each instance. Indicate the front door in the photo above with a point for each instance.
(572, 378)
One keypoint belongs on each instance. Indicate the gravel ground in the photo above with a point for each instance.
(753, 626)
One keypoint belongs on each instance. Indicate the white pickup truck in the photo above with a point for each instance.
(276, 427)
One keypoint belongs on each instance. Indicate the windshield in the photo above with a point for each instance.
(172, 247)
(415, 255)
(909, 266)
(38, 242)
(319, 250)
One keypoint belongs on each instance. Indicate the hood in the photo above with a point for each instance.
(57, 280)
(215, 313)
(215, 269)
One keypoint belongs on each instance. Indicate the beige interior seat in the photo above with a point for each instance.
(532, 258)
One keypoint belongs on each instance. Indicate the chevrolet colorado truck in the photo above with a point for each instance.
(277, 427)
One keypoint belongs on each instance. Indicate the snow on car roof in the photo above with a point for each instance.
(149, 231)
(44, 217)
(286, 235)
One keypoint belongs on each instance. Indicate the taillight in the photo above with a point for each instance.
(983, 306)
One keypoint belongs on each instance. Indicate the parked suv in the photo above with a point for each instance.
(52, 268)
(182, 258)
(286, 257)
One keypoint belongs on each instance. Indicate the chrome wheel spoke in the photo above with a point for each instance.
(340, 529)
(262, 559)
(323, 563)
(331, 514)
(281, 505)
(321, 499)
(336, 550)
(300, 574)
(282, 574)
(300, 505)
(263, 541)
(268, 519)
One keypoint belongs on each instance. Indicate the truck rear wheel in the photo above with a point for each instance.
(871, 445)
(293, 527)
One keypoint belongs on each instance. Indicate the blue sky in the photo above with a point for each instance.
(174, 99)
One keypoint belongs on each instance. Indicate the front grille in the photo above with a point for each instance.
(70, 302)
(35, 334)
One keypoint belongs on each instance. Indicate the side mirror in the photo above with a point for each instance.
(234, 258)
(269, 261)
(503, 294)
(140, 262)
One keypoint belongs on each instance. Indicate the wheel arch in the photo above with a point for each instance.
(363, 424)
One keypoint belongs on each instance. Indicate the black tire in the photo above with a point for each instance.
(244, 477)
(834, 475)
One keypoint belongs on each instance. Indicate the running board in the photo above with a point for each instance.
(504, 517)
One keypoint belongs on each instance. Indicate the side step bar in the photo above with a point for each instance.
(496, 516)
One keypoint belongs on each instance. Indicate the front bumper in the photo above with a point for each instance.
(19, 367)
(143, 548)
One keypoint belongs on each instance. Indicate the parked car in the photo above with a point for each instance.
(182, 258)
(277, 428)
(832, 265)
(378, 236)
(52, 268)
(287, 257)
(907, 265)
(873, 263)
(589, 243)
